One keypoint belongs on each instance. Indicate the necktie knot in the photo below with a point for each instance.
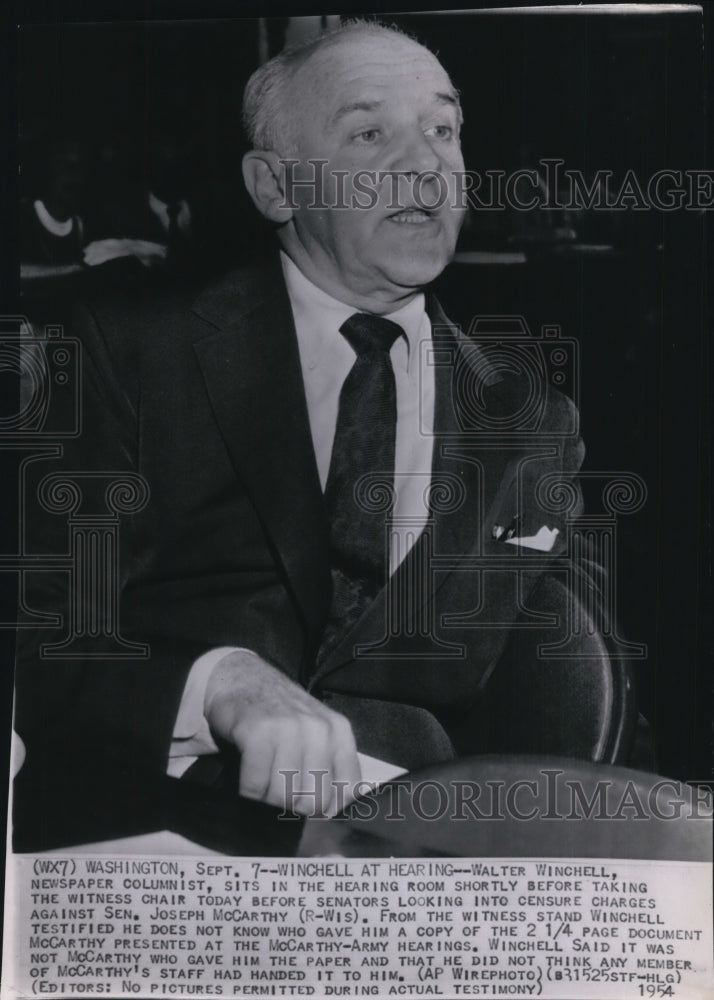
(368, 334)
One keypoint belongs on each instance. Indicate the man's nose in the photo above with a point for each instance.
(414, 154)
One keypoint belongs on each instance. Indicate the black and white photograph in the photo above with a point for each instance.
(356, 577)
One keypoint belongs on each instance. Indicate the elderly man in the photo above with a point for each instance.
(300, 429)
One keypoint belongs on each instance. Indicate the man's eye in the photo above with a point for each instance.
(367, 136)
(440, 132)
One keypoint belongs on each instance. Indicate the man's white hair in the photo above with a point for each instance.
(269, 94)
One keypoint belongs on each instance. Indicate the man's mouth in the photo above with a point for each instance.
(412, 216)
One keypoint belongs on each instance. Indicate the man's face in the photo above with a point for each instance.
(375, 106)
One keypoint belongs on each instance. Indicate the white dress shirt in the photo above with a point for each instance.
(326, 359)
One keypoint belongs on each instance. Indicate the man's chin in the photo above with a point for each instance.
(412, 273)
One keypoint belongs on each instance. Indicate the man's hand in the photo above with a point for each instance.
(277, 727)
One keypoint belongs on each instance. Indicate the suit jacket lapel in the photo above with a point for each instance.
(251, 368)
(464, 471)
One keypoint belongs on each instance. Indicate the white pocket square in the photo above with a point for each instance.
(543, 541)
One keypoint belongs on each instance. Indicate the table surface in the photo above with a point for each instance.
(473, 807)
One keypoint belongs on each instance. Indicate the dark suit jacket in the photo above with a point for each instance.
(204, 399)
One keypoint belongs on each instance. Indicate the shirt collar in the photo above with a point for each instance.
(330, 313)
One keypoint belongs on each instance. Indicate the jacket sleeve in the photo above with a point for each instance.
(84, 678)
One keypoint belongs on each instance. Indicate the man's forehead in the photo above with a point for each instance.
(370, 63)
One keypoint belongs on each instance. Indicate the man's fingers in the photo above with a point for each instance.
(345, 765)
(317, 774)
(306, 763)
(256, 765)
(284, 781)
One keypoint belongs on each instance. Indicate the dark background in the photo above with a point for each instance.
(598, 91)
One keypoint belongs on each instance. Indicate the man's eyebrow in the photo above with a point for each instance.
(347, 109)
(442, 97)
(448, 97)
(451, 98)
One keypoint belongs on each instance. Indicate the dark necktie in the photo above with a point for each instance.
(364, 445)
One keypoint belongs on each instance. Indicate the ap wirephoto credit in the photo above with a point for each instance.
(357, 580)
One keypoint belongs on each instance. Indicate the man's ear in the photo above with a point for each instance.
(264, 178)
